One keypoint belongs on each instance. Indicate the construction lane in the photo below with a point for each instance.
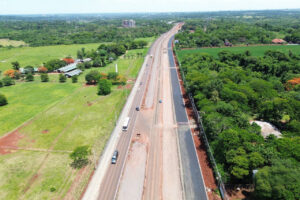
(193, 182)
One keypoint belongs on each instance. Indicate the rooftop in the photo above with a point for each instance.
(67, 68)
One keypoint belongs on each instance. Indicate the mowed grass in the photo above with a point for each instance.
(14, 43)
(255, 50)
(36, 56)
(28, 99)
(78, 117)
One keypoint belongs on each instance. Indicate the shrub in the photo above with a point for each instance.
(44, 77)
(1, 84)
(7, 81)
(29, 77)
(3, 100)
(62, 78)
(104, 87)
(74, 79)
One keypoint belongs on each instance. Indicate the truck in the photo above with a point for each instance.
(125, 124)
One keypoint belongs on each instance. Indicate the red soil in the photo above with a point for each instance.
(11, 141)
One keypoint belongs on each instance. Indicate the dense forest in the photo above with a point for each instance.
(54, 31)
(240, 28)
(234, 89)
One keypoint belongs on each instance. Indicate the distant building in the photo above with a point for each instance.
(75, 72)
(278, 41)
(128, 23)
(68, 68)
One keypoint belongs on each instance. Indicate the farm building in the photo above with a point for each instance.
(68, 68)
(75, 72)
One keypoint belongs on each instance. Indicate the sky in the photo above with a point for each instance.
(116, 6)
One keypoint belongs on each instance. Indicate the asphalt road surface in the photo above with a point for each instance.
(193, 182)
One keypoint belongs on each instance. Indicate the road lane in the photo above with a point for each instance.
(193, 182)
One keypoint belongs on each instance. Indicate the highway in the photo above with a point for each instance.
(154, 120)
(194, 187)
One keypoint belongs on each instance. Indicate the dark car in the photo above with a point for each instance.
(137, 108)
(114, 157)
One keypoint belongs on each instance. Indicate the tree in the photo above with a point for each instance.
(3, 100)
(11, 73)
(29, 70)
(44, 77)
(29, 77)
(15, 65)
(80, 157)
(112, 75)
(55, 64)
(74, 79)
(7, 81)
(42, 69)
(92, 77)
(104, 87)
(62, 78)
(280, 181)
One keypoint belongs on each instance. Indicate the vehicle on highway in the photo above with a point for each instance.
(137, 108)
(125, 124)
(114, 157)
(160, 101)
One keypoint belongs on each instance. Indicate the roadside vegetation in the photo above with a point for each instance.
(232, 89)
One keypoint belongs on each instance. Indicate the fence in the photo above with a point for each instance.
(203, 134)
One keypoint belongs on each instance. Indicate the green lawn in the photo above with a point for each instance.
(255, 50)
(36, 56)
(28, 99)
(64, 116)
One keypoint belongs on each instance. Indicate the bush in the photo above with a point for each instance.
(74, 79)
(3, 100)
(1, 84)
(44, 77)
(62, 78)
(92, 77)
(7, 81)
(29, 77)
(104, 87)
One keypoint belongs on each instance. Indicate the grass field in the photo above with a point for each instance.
(36, 56)
(14, 43)
(62, 116)
(255, 50)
